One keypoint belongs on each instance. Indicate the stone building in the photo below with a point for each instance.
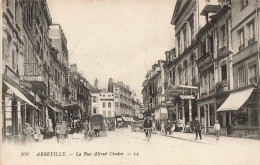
(214, 65)
(242, 116)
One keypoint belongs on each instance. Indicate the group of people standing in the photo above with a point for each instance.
(167, 127)
(31, 134)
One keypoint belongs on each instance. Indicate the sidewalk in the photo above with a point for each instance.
(209, 139)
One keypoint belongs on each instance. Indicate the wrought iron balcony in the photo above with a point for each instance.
(241, 47)
(66, 88)
(251, 41)
(34, 73)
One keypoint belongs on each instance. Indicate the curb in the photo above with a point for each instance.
(195, 141)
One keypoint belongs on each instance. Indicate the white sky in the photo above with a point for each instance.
(115, 37)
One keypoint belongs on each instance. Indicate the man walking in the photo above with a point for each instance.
(197, 128)
(217, 128)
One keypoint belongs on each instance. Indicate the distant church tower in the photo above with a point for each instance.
(96, 84)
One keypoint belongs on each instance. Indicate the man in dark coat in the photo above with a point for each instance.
(148, 124)
(197, 128)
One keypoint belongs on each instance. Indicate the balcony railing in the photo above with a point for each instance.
(222, 86)
(222, 51)
(34, 73)
(212, 91)
(241, 47)
(251, 41)
(66, 88)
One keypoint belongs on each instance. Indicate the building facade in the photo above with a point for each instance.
(35, 69)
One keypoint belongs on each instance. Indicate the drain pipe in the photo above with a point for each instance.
(258, 58)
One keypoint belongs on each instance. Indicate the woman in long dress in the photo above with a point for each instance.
(28, 133)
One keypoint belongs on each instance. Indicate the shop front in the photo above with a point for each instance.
(207, 114)
(240, 113)
(17, 110)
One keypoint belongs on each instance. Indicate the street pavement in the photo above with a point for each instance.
(125, 147)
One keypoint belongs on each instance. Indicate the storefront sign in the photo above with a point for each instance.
(187, 97)
(204, 61)
(32, 78)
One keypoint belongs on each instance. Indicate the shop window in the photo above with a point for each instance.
(241, 117)
(202, 115)
(254, 118)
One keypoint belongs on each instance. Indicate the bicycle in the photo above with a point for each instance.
(148, 133)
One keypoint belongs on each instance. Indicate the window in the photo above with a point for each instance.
(211, 44)
(251, 30)
(179, 44)
(252, 73)
(241, 36)
(191, 29)
(109, 113)
(104, 113)
(224, 72)
(242, 79)
(243, 3)
(184, 37)
(94, 99)
(109, 105)
(204, 47)
(104, 105)
(94, 110)
(116, 91)
(222, 36)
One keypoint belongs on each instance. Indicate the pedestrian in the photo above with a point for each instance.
(154, 127)
(198, 128)
(28, 133)
(148, 125)
(163, 128)
(166, 127)
(63, 132)
(217, 128)
(57, 131)
(85, 130)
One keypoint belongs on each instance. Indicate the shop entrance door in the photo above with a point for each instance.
(207, 122)
(228, 126)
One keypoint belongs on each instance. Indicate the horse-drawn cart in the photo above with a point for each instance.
(97, 125)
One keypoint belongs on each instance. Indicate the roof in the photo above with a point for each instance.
(210, 8)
